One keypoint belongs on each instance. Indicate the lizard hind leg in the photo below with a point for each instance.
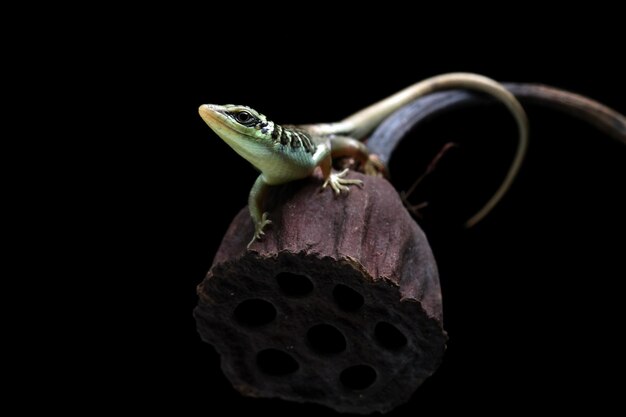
(369, 163)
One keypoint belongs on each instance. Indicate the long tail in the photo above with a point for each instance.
(363, 122)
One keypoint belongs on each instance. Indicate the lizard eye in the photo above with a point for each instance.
(243, 117)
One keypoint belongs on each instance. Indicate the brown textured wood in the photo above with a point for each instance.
(282, 307)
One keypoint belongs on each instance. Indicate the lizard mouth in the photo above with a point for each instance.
(209, 113)
(214, 116)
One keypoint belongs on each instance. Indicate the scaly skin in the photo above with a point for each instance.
(286, 153)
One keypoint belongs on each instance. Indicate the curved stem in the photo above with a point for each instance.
(389, 134)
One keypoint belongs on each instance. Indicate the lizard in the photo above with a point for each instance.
(284, 153)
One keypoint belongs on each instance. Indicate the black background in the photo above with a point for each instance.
(531, 296)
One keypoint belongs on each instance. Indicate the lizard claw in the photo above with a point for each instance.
(338, 183)
(374, 166)
(258, 228)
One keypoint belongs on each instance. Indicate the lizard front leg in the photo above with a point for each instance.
(255, 205)
(323, 159)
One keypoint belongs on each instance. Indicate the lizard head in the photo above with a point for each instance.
(232, 122)
(245, 130)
